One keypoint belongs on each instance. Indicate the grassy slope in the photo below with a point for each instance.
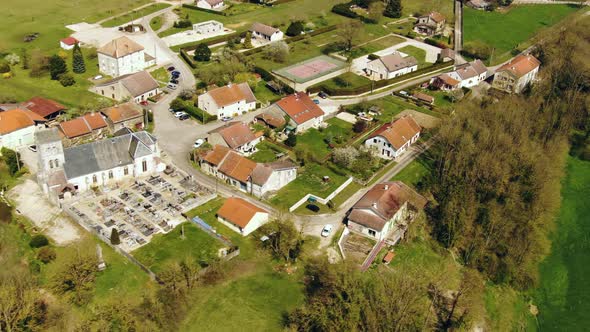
(564, 294)
(414, 172)
(505, 31)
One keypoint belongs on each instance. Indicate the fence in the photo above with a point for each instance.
(319, 199)
(211, 231)
(341, 240)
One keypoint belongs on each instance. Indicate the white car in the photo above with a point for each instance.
(327, 230)
(97, 77)
(198, 143)
(179, 114)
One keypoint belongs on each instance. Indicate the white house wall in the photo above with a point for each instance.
(128, 64)
(18, 138)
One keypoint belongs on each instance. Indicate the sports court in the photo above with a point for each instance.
(311, 69)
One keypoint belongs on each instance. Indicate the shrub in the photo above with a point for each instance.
(344, 10)
(373, 56)
(180, 24)
(38, 241)
(295, 29)
(359, 126)
(115, 240)
(393, 9)
(12, 160)
(202, 53)
(46, 255)
(291, 140)
(78, 64)
(4, 67)
(67, 80)
(57, 67)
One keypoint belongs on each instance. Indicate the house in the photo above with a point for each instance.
(228, 101)
(257, 179)
(88, 125)
(423, 98)
(210, 4)
(466, 75)
(385, 211)
(137, 87)
(393, 139)
(126, 115)
(390, 66)
(236, 136)
(46, 108)
(123, 56)
(273, 117)
(514, 75)
(241, 216)
(68, 43)
(478, 4)
(208, 27)
(265, 33)
(303, 113)
(431, 24)
(125, 156)
(18, 127)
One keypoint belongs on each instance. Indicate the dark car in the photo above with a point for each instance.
(183, 117)
(312, 208)
(176, 73)
(173, 81)
(171, 68)
(322, 95)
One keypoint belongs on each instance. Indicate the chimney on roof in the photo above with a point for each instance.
(374, 205)
(386, 187)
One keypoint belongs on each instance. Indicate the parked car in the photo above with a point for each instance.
(327, 230)
(403, 93)
(143, 103)
(171, 86)
(176, 73)
(198, 143)
(322, 95)
(172, 110)
(171, 68)
(173, 81)
(313, 208)
(226, 118)
(183, 117)
(179, 114)
(316, 101)
(33, 148)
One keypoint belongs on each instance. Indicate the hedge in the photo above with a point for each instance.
(434, 42)
(198, 113)
(267, 76)
(344, 10)
(189, 60)
(376, 85)
(207, 10)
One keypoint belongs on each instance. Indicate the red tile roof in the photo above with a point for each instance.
(231, 94)
(82, 125)
(521, 65)
(399, 132)
(216, 156)
(237, 167)
(237, 134)
(300, 107)
(238, 211)
(43, 107)
(123, 112)
(15, 119)
(69, 41)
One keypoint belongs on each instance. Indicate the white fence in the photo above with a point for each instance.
(341, 240)
(319, 199)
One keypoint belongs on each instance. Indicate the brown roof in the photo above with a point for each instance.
(15, 119)
(471, 69)
(300, 107)
(216, 156)
(136, 83)
(120, 47)
(447, 79)
(263, 29)
(236, 134)
(436, 16)
(394, 62)
(82, 125)
(238, 211)
(69, 41)
(43, 107)
(520, 65)
(237, 167)
(399, 132)
(423, 97)
(382, 202)
(262, 172)
(231, 94)
(122, 112)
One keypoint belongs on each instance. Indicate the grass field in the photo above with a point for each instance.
(168, 248)
(376, 45)
(156, 22)
(135, 14)
(563, 296)
(49, 18)
(414, 172)
(346, 80)
(417, 53)
(314, 140)
(506, 31)
(445, 7)
(267, 152)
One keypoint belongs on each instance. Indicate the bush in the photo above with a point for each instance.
(38, 241)
(295, 29)
(359, 126)
(57, 67)
(46, 255)
(12, 160)
(202, 53)
(183, 24)
(344, 10)
(373, 56)
(67, 80)
(115, 240)
(291, 140)
(4, 67)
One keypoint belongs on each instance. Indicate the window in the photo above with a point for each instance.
(144, 165)
(110, 174)
(374, 140)
(126, 171)
(94, 179)
(56, 162)
(372, 233)
(51, 164)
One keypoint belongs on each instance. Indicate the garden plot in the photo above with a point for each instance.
(140, 209)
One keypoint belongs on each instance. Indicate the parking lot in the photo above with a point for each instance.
(139, 209)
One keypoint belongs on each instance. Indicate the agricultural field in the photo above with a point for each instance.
(505, 31)
(563, 296)
(49, 18)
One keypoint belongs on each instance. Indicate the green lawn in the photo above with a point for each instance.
(392, 106)
(253, 301)
(161, 75)
(346, 80)
(156, 22)
(308, 181)
(169, 248)
(507, 309)
(376, 45)
(267, 152)
(417, 53)
(135, 14)
(49, 18)
(506, 31)
(264, 94)
(414, 172)
(563, 296)
(314, 140)
(445, 7)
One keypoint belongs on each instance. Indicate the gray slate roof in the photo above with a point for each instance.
(106, 154)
